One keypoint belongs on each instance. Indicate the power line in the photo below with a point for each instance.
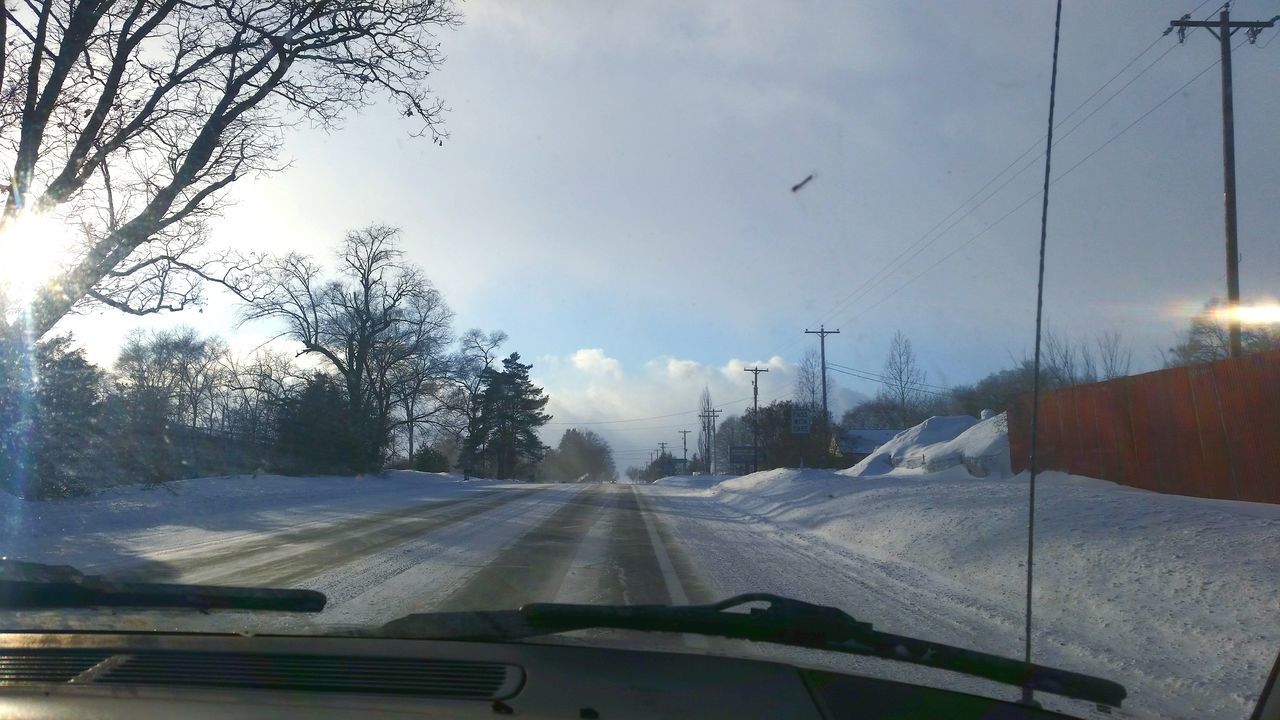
(1036, 194)
(893, 264)
(919, 246)
(884, 381)
(1020, 156)
(640, 419)
(884, 377)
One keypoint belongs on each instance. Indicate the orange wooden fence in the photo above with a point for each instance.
(1209, 430)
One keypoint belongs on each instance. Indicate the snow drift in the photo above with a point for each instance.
(1173, 596)
(981, 447)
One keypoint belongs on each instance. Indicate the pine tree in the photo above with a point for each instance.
(503, 436)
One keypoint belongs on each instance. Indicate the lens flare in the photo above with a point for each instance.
(1260, 314)
(33, 250)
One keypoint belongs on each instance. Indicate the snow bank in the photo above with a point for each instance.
(691, 481)
(188, 511)
(1173, 596)
(940, 443)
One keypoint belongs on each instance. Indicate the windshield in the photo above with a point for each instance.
(444, 306)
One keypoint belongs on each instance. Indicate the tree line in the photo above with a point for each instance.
(366, 373)
(905, 398)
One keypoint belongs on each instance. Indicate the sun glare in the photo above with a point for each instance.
(33, 249)
(1262, 314)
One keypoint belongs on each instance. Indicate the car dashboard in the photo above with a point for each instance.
(152, 675)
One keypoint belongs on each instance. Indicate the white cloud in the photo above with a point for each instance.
(594, 362)
(659, 398)
(682, 369)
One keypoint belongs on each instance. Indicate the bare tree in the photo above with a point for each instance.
(1066, 363)
(706, 435)
(128, 119)
(903, 380)
(378, 317)
(253, 391)
(1114, 357)
(1206, 339)
(477, 353)
(177, 368)
(808, 380)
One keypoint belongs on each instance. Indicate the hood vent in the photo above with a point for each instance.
(318, 673)
(47, 666)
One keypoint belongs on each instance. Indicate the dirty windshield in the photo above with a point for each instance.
(961, 320)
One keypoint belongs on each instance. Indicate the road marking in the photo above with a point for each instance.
(674, 588)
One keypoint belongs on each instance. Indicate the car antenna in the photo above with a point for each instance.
(1028, 695)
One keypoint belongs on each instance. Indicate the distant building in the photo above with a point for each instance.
(857, 443)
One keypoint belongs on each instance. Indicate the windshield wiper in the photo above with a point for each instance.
(34, 586)
(785, 621)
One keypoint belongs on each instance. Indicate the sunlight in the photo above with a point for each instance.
(1261, 314)
(33, 249)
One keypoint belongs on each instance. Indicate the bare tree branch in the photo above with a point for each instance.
(136, 116)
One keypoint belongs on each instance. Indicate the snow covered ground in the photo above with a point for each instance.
(129, 522)
(1174, 597)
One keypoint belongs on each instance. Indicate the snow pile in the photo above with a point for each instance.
(1173, 596)
(981, 447)
(692, 481)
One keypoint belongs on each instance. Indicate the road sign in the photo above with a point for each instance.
(801, 420)
(740, 455)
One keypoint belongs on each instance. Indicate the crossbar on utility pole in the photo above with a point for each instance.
(1223, 28)
(755, 415)
(822, 332)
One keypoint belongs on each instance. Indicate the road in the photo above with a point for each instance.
(380, 550)
(500, 547)
(495, 548)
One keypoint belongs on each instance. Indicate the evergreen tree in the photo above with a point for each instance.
(502, 438)
(315, 431)
(581, 455)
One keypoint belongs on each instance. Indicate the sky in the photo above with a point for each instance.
(615, 192)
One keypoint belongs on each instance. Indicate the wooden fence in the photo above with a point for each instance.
(1210, 430)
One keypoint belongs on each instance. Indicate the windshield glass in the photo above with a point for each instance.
(437, 307)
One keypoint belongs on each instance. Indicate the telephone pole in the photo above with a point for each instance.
(709, 432)
(1223, 28)
(755, 415)
(684, 441)
(822, 332)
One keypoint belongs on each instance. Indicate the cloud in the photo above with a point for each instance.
(682, 369)
(593, 361)
(659, 398)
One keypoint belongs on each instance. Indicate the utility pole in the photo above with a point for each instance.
(709, 425)
(755, 415)
(822, 332)
(1223, 28)
(662, 449)
(684, 440)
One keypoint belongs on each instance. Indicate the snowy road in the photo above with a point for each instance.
(497, 547)
(503, 546)
(383, 547)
